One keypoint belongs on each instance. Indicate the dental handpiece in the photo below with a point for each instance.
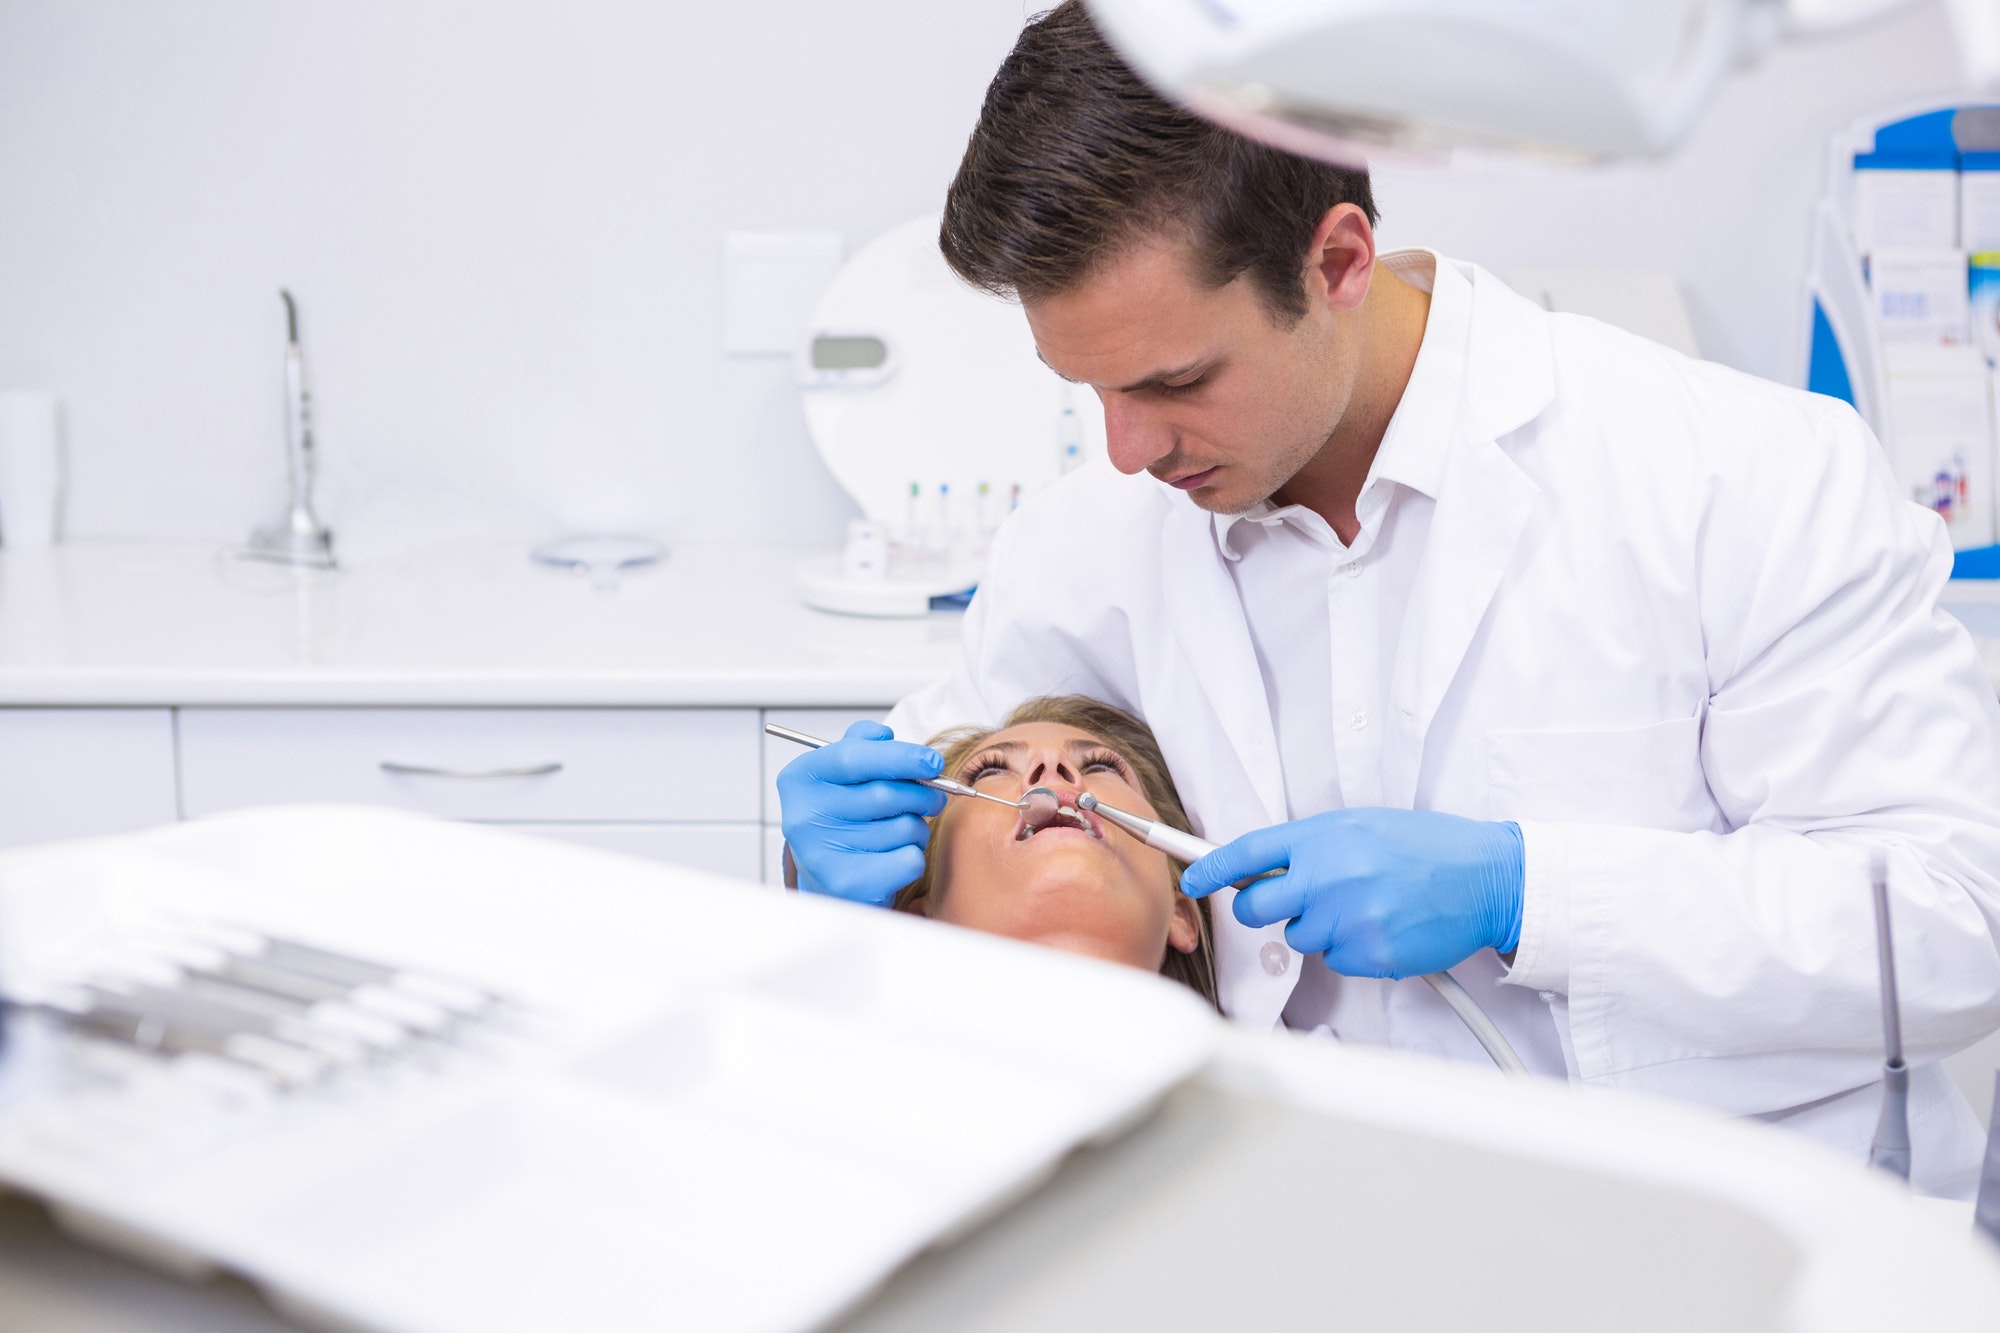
(1174, 842)
(1186, 847)
(1033, 804)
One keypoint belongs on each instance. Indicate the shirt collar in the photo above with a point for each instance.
(1419, 435)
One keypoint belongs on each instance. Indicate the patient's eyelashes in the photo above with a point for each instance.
(1088, 759)
(1101, 760)
(982, 767)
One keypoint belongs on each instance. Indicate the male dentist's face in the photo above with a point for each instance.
(1201, 386)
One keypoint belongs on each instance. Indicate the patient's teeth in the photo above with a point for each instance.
(1062, 813)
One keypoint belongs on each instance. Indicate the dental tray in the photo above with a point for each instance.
(620, 1094)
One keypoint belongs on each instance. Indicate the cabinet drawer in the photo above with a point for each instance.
(612, 764)
(725, 849)
(77, 772)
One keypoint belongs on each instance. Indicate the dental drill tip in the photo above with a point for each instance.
(1086, 801)
(1039, 807)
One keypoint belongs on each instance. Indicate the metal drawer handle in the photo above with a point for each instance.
(426, 771)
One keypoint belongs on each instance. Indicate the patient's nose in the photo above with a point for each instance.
(1053, 770)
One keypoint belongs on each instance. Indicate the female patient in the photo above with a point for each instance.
(1077, 884)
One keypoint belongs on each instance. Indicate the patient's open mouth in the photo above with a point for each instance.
(1067, 817)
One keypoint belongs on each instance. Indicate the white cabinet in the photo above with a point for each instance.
(693, 786)
(692, 765)
(725, 849)
(74, 772)
(774, 855)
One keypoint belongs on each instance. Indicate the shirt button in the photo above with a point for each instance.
(1548, 997)
(1352, 569)
(1358, 719)
(1275, 957)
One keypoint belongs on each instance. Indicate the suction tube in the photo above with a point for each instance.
(1187, 848)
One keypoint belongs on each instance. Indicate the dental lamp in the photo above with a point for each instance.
(1443, 80)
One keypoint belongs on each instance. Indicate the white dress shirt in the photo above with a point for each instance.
(1325, 619)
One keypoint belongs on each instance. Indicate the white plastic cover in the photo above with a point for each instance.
(966, 400)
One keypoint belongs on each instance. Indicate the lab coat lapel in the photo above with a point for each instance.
(1484, 503)
(1206, 617)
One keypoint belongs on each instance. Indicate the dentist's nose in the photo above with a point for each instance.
(1134, 437)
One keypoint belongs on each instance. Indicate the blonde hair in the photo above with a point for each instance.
(1129, 737)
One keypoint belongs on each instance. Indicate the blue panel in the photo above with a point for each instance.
(1928, 134)
(1827, 371)
(1982, 562)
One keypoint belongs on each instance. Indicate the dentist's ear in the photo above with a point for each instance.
(1184, 927)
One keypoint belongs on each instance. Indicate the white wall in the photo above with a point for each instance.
(503, 220)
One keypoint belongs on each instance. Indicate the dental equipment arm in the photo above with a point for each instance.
(1187, 848)
(1572, 80)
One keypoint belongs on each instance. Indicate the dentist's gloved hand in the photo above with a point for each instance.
(854, 822)
(1381, 893)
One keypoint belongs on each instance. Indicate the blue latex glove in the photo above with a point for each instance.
(854, 823)
(1381, 893)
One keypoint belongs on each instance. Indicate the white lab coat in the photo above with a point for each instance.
(1680, 625)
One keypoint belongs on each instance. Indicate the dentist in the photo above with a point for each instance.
(1530, 649)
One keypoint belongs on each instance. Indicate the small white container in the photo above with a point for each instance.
(1904, 207)
(1979, 202)
(31, 469)
(1921, 296)
(1940, 438)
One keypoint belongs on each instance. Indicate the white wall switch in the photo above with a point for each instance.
(771, 282)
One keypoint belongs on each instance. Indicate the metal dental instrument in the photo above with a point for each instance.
(1891, 1149)
(1186, 847)
(1034, 802)
(299, 538)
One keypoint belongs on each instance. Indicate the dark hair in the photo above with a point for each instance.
(1135, 741)
(1074, 157)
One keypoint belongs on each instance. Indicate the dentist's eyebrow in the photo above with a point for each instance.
(1158, 379)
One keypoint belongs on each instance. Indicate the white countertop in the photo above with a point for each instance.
(476, 623)
(465, 623)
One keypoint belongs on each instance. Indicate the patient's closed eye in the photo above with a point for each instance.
(1103, 761)
(985, 766)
